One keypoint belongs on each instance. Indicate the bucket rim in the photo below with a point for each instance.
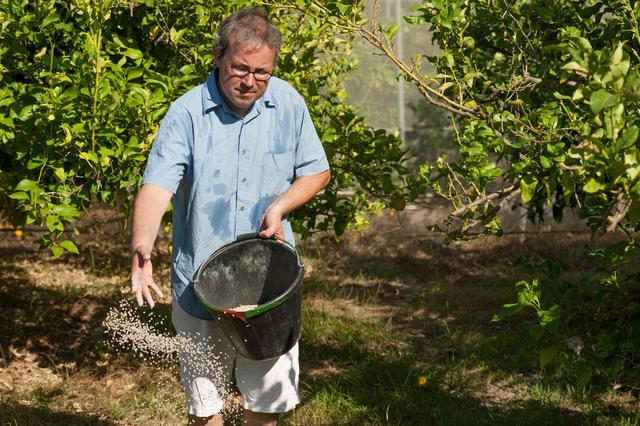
(260, 309)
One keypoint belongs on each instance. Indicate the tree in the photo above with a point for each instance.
(84, 84)
(546, 102)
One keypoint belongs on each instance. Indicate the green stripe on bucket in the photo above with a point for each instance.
(245, 314)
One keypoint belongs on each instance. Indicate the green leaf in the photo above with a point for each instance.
(631, 86)
(536, 332)
(592, 186)
(66, 211)
(576, 67)
(343, 8)
(52, 222)
(546, 162)
(414, 20)
(391, 31)
(49, 19)
(507, 310)
(26, 112)
(20, 195)
(89, 156)
(25, 185)
(548, 354)
(60, 174)
(584, 43)
(549, 319)
(134, 73)
(627, 139)
(616, 55)
(619, 253)
(57, 251)
(134, 54)
(602, 99)
(69, 246)
(584, 375)
(528, 185)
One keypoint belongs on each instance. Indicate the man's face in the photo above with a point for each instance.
(241, 92)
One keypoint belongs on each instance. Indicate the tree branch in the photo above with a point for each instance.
(504, 192)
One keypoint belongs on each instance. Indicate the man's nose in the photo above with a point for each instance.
(249, 79)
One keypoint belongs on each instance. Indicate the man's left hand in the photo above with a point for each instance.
(271, 223)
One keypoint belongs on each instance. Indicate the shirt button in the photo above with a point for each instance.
(242, 208)
(244, 180)
(244, 151)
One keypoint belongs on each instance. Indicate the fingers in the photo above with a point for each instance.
(157, 290)
(266, 233)
(142, 279)
(272, 232)
(142, 292)
(138, 290)
(147, 296)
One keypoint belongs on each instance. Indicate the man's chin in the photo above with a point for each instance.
(244, 103)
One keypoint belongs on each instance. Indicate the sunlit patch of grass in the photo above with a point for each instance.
(325, 406)
(429, 353)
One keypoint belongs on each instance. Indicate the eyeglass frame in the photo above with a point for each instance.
(245, 71)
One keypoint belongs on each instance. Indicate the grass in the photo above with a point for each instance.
(395, 332)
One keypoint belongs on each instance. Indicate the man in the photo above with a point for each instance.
(236, 155)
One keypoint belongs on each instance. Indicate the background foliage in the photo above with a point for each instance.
(545, 98)
(84, 84)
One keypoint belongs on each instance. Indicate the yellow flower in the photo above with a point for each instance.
(18, 233)
(422, 380)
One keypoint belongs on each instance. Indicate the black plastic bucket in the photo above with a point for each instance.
(254, 271)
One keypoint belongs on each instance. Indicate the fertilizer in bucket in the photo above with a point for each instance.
(252, 286)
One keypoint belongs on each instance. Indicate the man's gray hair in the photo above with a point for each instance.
(252, 26)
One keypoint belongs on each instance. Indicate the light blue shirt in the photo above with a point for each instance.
(224, 170)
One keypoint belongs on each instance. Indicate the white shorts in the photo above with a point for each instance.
(207, 362)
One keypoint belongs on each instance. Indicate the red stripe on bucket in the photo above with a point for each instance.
(236, 314)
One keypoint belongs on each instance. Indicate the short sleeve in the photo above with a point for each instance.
(170, 154)
(310, 156)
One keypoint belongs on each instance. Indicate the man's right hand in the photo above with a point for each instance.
(142, 277)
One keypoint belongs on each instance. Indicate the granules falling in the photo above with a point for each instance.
(127, 332)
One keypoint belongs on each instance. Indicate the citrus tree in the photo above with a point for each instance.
(545, 99)
(85, 83)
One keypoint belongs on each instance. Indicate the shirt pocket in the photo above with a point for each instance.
(280, 171)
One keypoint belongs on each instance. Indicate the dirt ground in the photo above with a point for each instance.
(56, 367)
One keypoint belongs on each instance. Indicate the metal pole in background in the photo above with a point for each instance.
(401, 122)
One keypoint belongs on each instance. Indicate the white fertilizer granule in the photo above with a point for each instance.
(244, 308)
(127, 332)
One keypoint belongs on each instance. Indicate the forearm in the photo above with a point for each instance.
(302, 190)
(148, 209)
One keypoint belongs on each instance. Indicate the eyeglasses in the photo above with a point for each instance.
(242, 71)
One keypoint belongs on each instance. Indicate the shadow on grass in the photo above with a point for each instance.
(17, 414)
(373, 390)
(57, 324)
(442, 298)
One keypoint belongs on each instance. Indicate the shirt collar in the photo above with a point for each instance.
(212, 97)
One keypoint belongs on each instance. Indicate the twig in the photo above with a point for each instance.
(618, 211)
(374, 15)
(498, 194)
(475, 222)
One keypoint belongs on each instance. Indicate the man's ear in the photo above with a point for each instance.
(218, 55)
